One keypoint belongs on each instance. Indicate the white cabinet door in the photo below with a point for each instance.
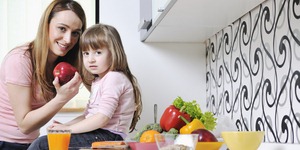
(157, 7)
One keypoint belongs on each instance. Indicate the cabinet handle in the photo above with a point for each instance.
(160, 9)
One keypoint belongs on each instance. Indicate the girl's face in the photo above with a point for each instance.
(64, 32)
(97, 61)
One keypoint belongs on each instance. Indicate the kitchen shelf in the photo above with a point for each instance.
(195, 20)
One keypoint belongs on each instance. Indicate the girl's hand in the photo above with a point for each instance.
(56, 122)
(67, 91)
(59, 127)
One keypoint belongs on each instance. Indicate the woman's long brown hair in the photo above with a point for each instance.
(39, 47)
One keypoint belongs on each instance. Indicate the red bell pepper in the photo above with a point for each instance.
(170, 118)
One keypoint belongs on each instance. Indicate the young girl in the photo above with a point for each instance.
(29, 94)
(115, 102)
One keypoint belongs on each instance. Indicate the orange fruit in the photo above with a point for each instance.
(148, 136)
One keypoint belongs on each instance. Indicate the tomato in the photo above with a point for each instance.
(148, 136)
(64, 71)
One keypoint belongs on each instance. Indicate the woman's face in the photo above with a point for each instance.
(64, 32)
(97, 61)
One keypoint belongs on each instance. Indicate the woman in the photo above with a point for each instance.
(29, 94)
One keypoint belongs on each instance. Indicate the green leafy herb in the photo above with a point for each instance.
(193, 109)
(178, 102)
(208, 120)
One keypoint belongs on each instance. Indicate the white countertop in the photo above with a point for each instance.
(278, 146)
(273, 146)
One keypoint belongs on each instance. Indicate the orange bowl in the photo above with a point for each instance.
(209, 145)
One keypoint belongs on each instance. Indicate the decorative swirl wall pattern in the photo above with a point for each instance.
(253, 71)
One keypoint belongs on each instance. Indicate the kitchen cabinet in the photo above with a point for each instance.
(158, 7)
(194, 20)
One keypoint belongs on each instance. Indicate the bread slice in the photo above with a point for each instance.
(100, 144)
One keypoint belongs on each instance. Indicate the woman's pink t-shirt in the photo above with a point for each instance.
(113, 96)
(16, 69)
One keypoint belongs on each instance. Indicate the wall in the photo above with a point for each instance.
(253, 74)
(164, 70)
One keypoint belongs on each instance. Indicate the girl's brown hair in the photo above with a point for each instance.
(101, 35)
(39, 47)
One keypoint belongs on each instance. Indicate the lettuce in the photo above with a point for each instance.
(178, 102)
(193, 109)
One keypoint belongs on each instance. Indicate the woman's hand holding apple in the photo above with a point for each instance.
(64, 71)
(68, 90)
(67, 81)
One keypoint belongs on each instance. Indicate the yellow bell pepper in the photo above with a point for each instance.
(191, 126)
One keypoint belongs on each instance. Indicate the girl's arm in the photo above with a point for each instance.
(57, 123)
(77, 119)
(29, 120)
(88, 124)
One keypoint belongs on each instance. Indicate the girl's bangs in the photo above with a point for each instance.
(92, 41)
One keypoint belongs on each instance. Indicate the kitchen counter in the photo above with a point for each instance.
(273, 146)
(263, 146)
(279, 146)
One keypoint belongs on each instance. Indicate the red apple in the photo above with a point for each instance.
(205, 135)
(64, 71)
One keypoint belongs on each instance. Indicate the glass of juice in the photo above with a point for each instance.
(58, 139)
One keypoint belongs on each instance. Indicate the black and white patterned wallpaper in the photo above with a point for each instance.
(253, 71)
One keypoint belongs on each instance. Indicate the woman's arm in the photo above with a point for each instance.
(29, 120)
